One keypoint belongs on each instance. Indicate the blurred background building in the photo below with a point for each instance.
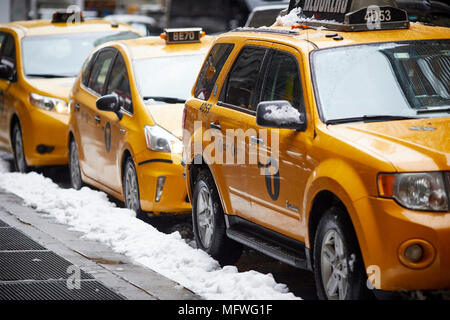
(212, 15)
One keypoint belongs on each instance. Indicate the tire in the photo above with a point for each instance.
(209, 223)
(20, 162)
(74, 166)
(131, 188)
(338, 263)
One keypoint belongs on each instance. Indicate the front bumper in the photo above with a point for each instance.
(387, 228)
(174, 195)
(45, 129)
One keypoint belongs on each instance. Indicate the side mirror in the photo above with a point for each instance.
(5, 73)
(280, 114)
(110, 103)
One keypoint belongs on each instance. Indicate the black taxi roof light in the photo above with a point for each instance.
(351, 15)
(182, 35)
(67, 17)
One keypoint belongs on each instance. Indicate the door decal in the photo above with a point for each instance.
(108, 137)
(272, 177)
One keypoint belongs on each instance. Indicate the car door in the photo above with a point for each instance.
(8, 58)
(3, 87)
(276, 183)
(89, 124)
(230, 116)
(113, 129)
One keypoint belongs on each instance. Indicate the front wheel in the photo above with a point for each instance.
(209, 223)
(20, 161)
(338, 265)
(131, 188)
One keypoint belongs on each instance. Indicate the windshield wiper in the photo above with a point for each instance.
(432, 110)
(166, 99)
(49, 76)
(369, 119)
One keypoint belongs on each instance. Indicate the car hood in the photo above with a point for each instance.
(409, 145)
(57, 88)
(168, 116)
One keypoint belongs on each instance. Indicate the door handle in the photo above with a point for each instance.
(214, 125)
(256, 140)
(97, 119)
(123, 131)
(77, 107)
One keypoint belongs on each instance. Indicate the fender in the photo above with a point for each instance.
(338, 177)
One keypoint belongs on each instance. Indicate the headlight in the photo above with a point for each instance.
(159, 139)
(48, 103)
(417, 191)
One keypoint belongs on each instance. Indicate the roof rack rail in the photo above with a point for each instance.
(267, 30)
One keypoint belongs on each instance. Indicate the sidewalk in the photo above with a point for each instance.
(40, 259)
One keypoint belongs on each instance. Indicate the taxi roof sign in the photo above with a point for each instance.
(182, 35)
(351, 15)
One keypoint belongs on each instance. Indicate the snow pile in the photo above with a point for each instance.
(296, 17)
(290, 19)
(282, 115)
(91, 213)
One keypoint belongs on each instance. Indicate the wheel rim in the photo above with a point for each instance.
(18, 150)
(334, 266)
(131, 190)
(205, 217)
(75, 172)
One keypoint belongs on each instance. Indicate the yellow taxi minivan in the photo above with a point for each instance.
(126, 112)
(39, 61)
(342, 120)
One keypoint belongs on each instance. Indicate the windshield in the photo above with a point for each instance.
(404, 79)
(63, 55)
(167, 77)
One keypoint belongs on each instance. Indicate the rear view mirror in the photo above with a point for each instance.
(5, 73)
(280, 114)
(110, 103)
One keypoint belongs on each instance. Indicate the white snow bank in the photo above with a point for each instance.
(91, 213)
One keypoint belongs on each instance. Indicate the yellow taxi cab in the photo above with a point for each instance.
(327, 148)
(125, 119)
(39, 61)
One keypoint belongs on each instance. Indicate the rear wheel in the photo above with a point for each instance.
(19, 155)
(209, 223)
(338, 265)
(74, 166)
(131, 188)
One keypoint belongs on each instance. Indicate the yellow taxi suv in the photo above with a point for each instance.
(126, 112)
(351, 136)
(39, 61)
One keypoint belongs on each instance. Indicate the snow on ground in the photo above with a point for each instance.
(90, 212)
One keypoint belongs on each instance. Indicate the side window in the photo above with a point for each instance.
(86, 71)
(283, 80)
(211, 69)
(8, 52)
(119, 83)
(100, 70)
(243, 78)
(2, 37)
